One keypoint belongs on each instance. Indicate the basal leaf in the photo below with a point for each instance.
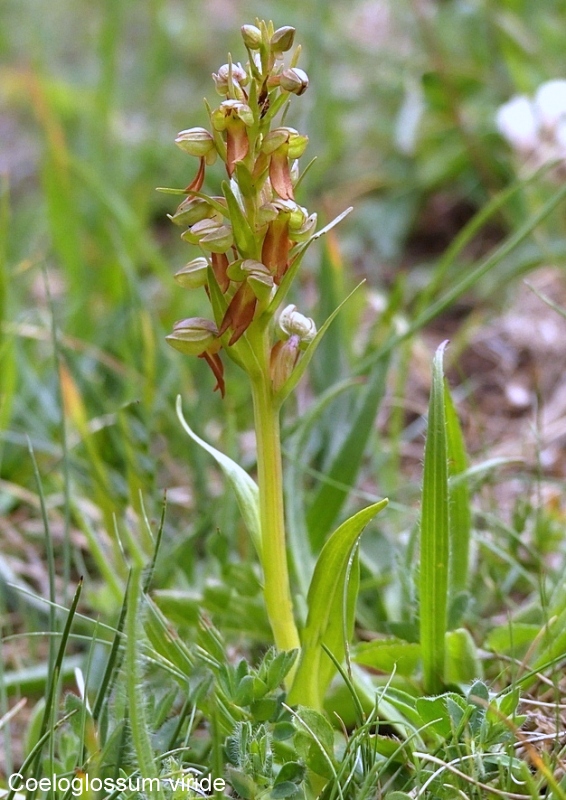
(434, 536)
(460, 511)
(330, 610)
(388, 655)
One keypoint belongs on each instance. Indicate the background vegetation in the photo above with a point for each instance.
(401, 116)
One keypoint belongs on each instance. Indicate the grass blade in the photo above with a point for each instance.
(328, 501)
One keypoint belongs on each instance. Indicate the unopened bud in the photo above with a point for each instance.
(191, 210)
(292, 323)
(196, 141)
(194, 274)
(282, 39)
(222, 78)
(210, 234)
(294, 80)
(251, 36)
(284, 356)
(194, 336)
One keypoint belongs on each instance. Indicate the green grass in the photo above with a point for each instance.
(169, 626)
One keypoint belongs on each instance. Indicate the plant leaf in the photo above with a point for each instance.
(462, 660)
(246, 489)
(434, 536)
(460, 512)
(329, 499)
(389, 655)
(331, 610)
(299, 370)
(289, 276)
(244, 237)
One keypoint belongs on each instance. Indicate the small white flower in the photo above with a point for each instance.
(536, 129)
(293, 323)
(516, 121)
(560, 136)
(550, 103)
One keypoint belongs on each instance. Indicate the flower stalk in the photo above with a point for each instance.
(277, 591)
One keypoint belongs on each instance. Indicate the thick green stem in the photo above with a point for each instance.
(272, 517)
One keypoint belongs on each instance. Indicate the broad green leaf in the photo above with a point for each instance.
(314, 741)
(330, 610)
(232, 611)
(440, 716)
(512, 639)
(434, 536)
(389, 655)
(329, 499)
(462, 661)
(552, 641)
(460, 511)
(247, 492)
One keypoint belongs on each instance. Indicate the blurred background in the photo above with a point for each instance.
(401, 115)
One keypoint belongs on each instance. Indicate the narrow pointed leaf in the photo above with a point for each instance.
(245, 488)
(331, 610)
(299, 370)
(289, 276)
(243, 235)
(329, 499)
(434, 536)
(460, 513)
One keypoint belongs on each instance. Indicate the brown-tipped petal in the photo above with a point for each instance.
(275, 249)
(198, 180)
(219, 267)
(260, 167)
(239, 313)
(237, 145)
(280, 175)
(215, 363)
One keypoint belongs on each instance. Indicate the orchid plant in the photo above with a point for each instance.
(252, 239)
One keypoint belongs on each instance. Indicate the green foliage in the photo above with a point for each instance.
(415, 646)
(331, 609)
(434, 538)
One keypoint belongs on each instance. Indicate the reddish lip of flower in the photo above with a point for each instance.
(276, 246)
(237, 145)
(279, 173)
(196, 184)
(215, 363)
(219, 266)
(239, 313)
